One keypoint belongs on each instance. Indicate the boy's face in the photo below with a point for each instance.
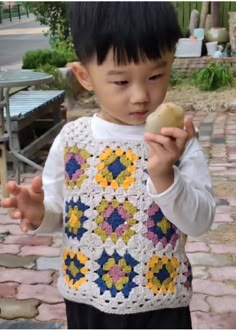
(127, 93)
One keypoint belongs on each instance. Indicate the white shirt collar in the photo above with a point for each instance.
(103, 129)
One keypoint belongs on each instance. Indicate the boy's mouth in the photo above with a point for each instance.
(139, 114)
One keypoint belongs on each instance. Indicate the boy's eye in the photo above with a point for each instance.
(121, 82)
(155, 77)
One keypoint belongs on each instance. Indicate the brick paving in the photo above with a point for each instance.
(29, 264)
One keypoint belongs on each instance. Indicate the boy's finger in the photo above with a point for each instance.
(190, 128)
(37, 185)
(151, 137)
(9, 203)
(16, 215)
(172, 140)
(24, 225)
(13, 188)
(174, 133)
(25, 229)
(155, 147)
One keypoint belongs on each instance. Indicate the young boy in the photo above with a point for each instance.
(125, 199)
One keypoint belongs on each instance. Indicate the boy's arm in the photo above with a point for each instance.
(53, 186)
(189, 203)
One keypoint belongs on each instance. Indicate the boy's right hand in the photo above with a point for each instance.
(27, 202)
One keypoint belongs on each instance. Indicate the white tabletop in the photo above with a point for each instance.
(23, 78)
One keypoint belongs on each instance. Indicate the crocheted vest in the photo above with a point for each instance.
(120, 253)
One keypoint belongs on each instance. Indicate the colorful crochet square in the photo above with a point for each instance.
(159, 228)
(116, 274)
(75, 219)
(75, 270)
(188, 274)
(117, 169)
(75, 166)
(162, 274)
(115, 220)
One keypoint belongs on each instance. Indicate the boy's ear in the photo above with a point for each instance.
(82, 75)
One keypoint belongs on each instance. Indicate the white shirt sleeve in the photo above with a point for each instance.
(53, 185)
(189, 203)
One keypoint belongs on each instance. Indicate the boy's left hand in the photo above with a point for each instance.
(165, 150)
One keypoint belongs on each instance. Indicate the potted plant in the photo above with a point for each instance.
(216, 33)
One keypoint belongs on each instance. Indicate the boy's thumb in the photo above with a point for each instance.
(190, 128)
(37, 185)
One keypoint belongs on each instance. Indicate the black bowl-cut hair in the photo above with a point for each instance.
(134, 30)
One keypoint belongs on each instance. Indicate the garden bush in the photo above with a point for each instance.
(216, 75)
(67, 48)
(175, 78)
(58, 83)
(54, 57)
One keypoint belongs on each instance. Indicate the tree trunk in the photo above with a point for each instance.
(215, 13)
(208, 23)
(194, 21)
(204, 12)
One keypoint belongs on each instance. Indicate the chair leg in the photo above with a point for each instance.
(18, 166)
(3, 170)
(3, 152)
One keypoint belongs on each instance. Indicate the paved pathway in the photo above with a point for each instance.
(28, 265)
(17, 37)
(6, 23)
(23, 31)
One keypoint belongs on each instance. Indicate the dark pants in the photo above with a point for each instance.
(80, 316)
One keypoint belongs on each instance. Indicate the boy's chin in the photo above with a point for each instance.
(136, 122)
(129, 120)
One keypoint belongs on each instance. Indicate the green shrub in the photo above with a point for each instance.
(175, 77)
(67, 48)
(53, 57)
(213, 77)
(53, 14)
(58, 83)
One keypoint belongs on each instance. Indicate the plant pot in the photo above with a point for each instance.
(220, 35)
(188, 48)
(211, 48)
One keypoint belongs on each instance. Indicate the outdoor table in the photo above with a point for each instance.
(8, 80)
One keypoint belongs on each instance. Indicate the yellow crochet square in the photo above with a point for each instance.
(162, 274)
(117, 169)
(74, 268)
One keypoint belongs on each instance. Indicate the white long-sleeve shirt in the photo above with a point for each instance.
(189, 203)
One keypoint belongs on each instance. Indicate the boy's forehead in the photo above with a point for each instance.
(163, 61)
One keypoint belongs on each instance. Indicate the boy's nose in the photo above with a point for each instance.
(139, 95)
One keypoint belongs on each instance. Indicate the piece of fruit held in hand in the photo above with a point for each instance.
(167, 115)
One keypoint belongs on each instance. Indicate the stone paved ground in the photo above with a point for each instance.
(28, 264)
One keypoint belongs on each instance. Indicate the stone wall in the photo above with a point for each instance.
(188, 65)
